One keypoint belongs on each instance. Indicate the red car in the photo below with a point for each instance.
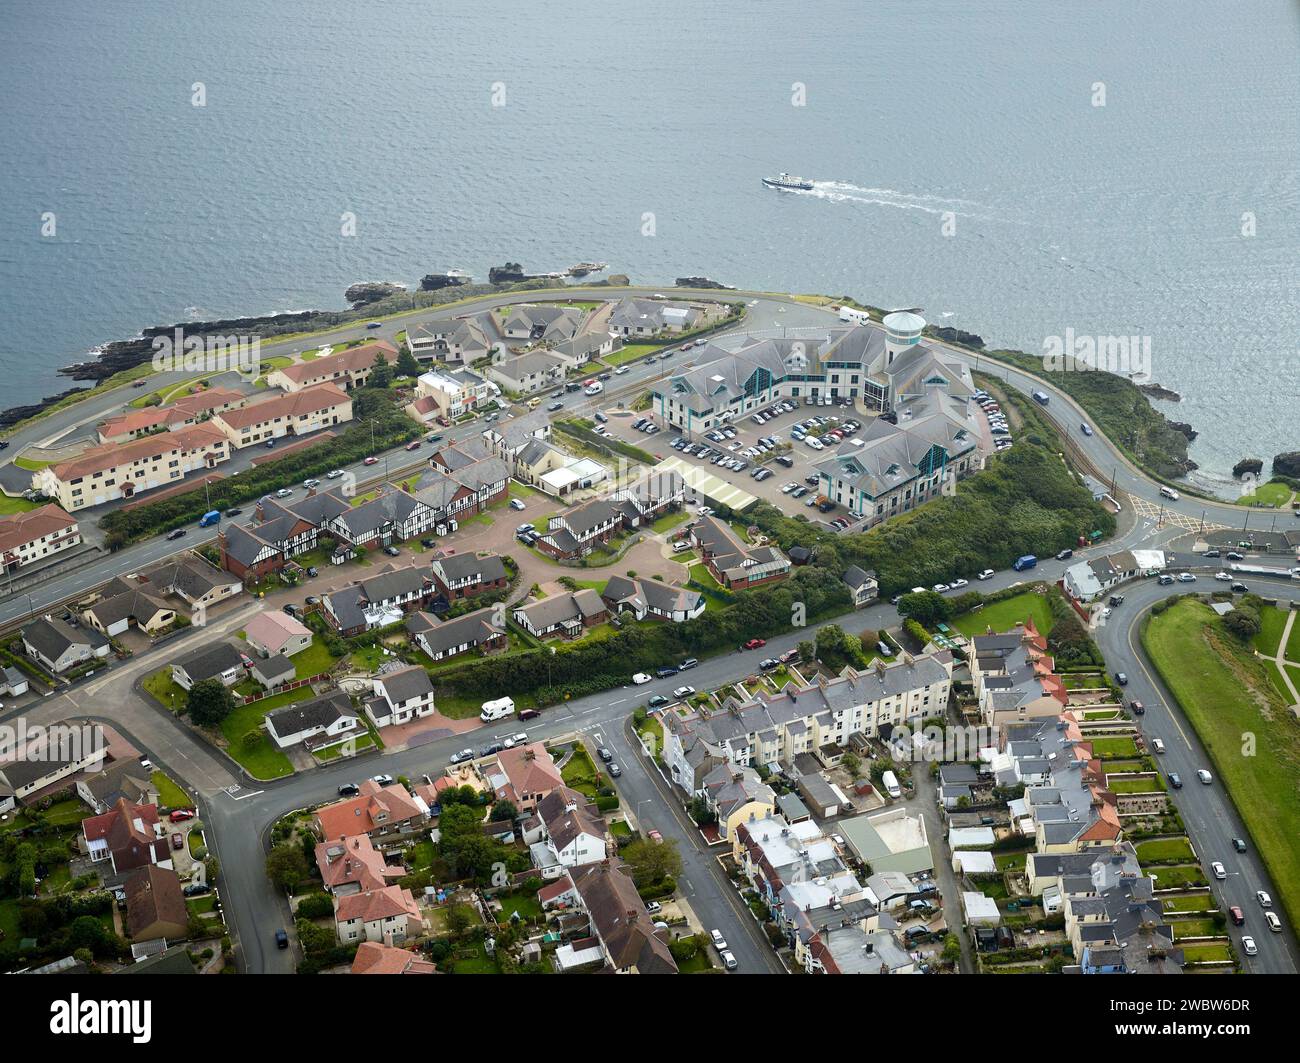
(180, 815)
(371, 461)
(413, 446)
(655, 836)
(754, 644)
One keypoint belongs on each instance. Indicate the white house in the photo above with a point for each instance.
(401, 696)
(319, 722)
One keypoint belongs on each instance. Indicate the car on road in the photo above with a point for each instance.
(1115, 599)
(604, 754)
(754, 644)
(640, 678)
(1105, 613)
(281, 939)
(1274, 923)
(719, 941)
(236, 511)
(1238, 588)
(1233, 555)
(1205, 777)
(554, 406)
(178, 533)
(284, 492)
(374, 324)
(414, 444)
(518, 739)
(1121, 678)
(1086, 429)
(614, 770)
(383, 779)
(517, 503)
(988, 573)
(1223, 577)
(684, 692)
(1265, 901)
(372, 460)
(462, 756)
(492, 747)
(310, 482)
(1136, 708)
(1158, 745)
(349, 789)
(1064, 555)
(529, 714)
(1237, 916)
(1175, 780)
(729, 961)
(1220, 872)
(690, 662)
(1186, 577)
(180, 815)
(768, 663)
(1239, 844)
(655, 836)
(334, 474)
(658, 701)
(1248, 945)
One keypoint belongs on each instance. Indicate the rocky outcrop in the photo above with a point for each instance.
(1184, 428)
(956, 335)
(358, 295)
(1287, 464)
(432, 282)
(1159, 391)
(20, 413)
(1253, 466)
(703, 282)
(510, 273)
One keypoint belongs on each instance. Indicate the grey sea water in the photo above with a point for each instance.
(960, 165)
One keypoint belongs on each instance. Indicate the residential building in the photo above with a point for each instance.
(283, 531)
(567, 615)
(383, 813)
(354, 865)
(472, 464)
(894, 840)
(544, 322)
(377, 601)
(588, 526)
(155, 906)
(649, 597)
(506, 438)
(458, 341)
(401, 695)
(736, 795)
(274, 671)
(192, 579)
(43, 762)
(526, 374)
(1014, 677)
(127, 836)
(523, 775)
(388, 915)
(374, 957)
(862, 585)
(458, 576)
(190, 410)
(33, 536)
(1085, 581)
(120, 780)
(441, 639)
(734, 563)
(320, 722)
(124, 603)
(554, 471)
(347, 369)
(217, 660)
(453, 394)
(649, 317)
(393, 513)
(627, 937)
(297, 413)
(273, 631)
(59, 646)
(123, 470)
(574, 831)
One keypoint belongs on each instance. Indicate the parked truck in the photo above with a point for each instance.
(1266, 570)
(1022, 563)
(210, 518)
(497, 710)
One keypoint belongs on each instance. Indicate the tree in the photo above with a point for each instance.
(504, 811)
(460, 917)
(286, 867)
(701, 812)
(381, 376)
(1244, 623)
(652, 862)
(925, 607)
(209, 702)
(407, 364)
(852, 764)
(951, 949)
(807, 650)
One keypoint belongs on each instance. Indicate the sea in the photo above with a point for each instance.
(1022, 169)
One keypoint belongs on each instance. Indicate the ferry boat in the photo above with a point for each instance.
(788, 182)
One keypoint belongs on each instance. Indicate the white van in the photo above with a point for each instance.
(890, 782)
(1157, 745)
(1169, 492)
(497, 710)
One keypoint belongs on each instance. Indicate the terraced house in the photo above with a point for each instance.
(105, 473)
(298, 413)
(347, 369)
(191, 409)
(29, 537)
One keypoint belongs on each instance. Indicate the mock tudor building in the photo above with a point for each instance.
(649, 597)
(567, 615)
(376, 601)
(441, 639)
(35, 535)
(735, 564)
(459, 576)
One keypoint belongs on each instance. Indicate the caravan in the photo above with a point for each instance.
(497, 710)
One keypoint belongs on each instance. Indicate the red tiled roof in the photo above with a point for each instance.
(22, 528)
(375, 958)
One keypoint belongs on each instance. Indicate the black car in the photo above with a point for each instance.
(1064, 555)
(313, 572)
(664, 673)
(1233, 555)
(177, 534)
(1239, 844)
(769, 663)
(615, 771)
(1239, 588)
(1136, 708)
(281, 939)
(604, 754)
(690, 662)
(657, 701)
(1212, 552)
(234, 512)
(428, 544)
(349, 789)
(195, 888)
(311, 599)
(492, 747)
(554, 406)
(1115, 599)
(4, 444)
(1175, 780)
(812, 481)
(291, 610)
(785, 459)
(1121, 678)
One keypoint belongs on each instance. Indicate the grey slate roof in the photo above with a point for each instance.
(406, 683)
(211, 660)
(318, 712)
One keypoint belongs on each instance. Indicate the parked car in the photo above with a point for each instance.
(657, 701)
(518, 739)
(604, 754)
(683, 692)
(196, 888)
(729, 961)
(517, 503)
(1115, 599)
(719, 941)
(392, 551)
(180, 815)
(640, 678)
(768, 663)
(462, 756)
(665, 672)
(754, 644)
(988, 573)
(690, 662)
(334, 474)
(178, 841)
(281, 939)
(383, 779)
(1237, 916)
(349, 789)
(1064, 555)
(653, 908)
(614, 770)
(236, 511)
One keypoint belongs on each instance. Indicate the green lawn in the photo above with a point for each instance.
(1274, 492)
(1179, 875)
(700, 574)
(630, 353)
(1200, 902)
(1195, 928)
(169, 794)
(1226, 694)
(165, 689)
(1153, 785)
(1004, 615)
(10, 505)
(1206, 953)
(314, 660)
(1272, 622)
(670, 520)
(526, 904)
(1293, 643)
(1113, 748)
(580, 774)
(1165, 849)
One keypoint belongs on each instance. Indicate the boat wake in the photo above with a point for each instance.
(843, 191)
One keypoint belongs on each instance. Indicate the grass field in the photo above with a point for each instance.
(1179, 875)
(1004, 615)
(1165, 849)
(10, 505)
(630, 353)
(1226, 694)
(1113, 748)
(1272, 622)
(1272, 493)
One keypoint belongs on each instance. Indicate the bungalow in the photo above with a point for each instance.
(274, 671)
(35, 535)
(322, 721)
(155, 906)
(443, 639)
(542, 322)
(647, 317)
(121, 780)
(380, 812)
(218, 660)
(568, 614)
(43, 763)
(275, 632)
(648, 597)
(128, 836)
(465, 575)
(194, 580)
(402, 695)
(59, 646)
(1087, 580)
(378, 601)
(735, 564)
(125, 603)
(347, 369)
